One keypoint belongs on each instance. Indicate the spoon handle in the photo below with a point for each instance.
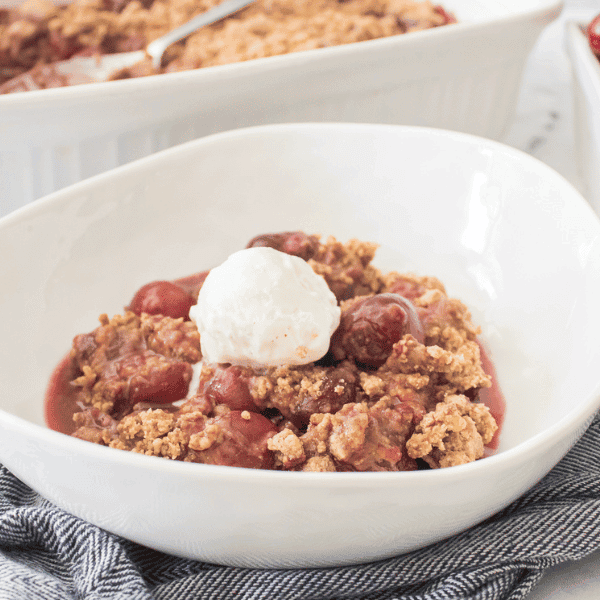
(157, 47)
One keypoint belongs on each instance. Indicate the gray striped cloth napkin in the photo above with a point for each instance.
(47, 554)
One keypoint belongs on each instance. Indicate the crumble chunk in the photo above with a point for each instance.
(455, 433)
(288, 449)
(346, 267)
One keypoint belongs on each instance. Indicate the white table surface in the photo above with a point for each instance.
(543, 127)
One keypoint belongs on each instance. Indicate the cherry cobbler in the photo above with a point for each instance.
(401, 382)
(36, 34)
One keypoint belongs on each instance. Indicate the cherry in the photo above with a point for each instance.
(192, 283)
(242, 441)
(593, 35)
(371, 326)
(63, 47)
(229, 385)
(296, 243)
(147, 377)
(337, 388)
(162, 298)
(163, 386)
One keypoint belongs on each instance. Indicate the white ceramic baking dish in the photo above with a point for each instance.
(586, 108)
(463, 77)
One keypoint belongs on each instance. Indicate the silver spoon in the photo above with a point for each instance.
(100, 68)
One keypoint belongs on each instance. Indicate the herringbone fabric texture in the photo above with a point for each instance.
(47, 554)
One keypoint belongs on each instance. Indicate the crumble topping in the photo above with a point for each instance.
(398, 389)
(38, 33)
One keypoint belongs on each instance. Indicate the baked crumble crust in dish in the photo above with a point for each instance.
(36, 34)
(402, 385)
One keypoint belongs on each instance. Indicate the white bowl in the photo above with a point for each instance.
(464, 77)
(506, 233)
(586, 107)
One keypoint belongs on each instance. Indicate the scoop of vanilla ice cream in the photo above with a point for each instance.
(263, 307)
